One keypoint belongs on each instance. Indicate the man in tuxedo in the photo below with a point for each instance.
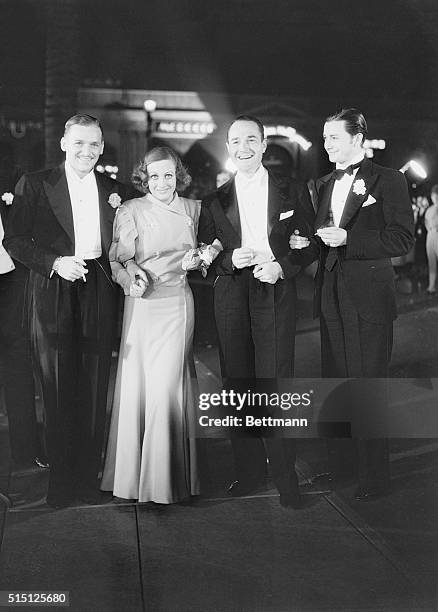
(253, 215)
(364, 217)
(16, 376)
(60, 227)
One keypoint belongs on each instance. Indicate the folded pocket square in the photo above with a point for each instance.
(286, 215)
(370, 200)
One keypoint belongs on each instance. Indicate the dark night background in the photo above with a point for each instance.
(294, 62)
(354, 51)
(381, 56)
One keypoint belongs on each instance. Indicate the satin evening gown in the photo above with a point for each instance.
(151, 454)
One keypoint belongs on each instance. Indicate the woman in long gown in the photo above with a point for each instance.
(150, 455)
(431, 223)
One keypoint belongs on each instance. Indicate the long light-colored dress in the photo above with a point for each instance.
(150, 454)
(431, 223)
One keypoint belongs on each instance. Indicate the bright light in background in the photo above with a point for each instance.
(375, 143)
(370, 145)
(290, 133)
(149, 106)
(277, 130)
(416, 168)
(230, 166)
(110, 170)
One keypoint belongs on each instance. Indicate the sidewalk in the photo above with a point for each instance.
(246, 554)
(228, 554)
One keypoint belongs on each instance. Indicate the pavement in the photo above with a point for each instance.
(247, 554)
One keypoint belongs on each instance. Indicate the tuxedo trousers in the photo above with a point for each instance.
(71, 329)
(354, 348)
(16, 367)
(256, 330)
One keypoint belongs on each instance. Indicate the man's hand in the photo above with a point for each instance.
(135, 273)
(242, 257)
(333, 236)
(298, 242)
(71, 268)
(268, 272)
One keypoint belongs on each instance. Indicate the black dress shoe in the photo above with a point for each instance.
(240, 488)
(365, 494)
(122, 500)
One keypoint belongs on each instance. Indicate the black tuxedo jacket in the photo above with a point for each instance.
(220, 219)
(379, 222)
(40, 224)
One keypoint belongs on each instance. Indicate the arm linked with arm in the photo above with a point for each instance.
(19, 232)
(207, 232)
(122, 250)
(304, 217)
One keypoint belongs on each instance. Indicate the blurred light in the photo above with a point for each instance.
(195, 129)
(108, 169)
(290, 133)
(375, 144)
(111, 169)
(149, 106)
(416, 168)
(229, 166)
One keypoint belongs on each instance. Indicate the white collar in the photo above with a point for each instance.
(355, 160)
(73, 176)
(258, 176)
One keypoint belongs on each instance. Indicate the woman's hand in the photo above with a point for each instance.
(191, 260)
(137, 288)
(135, 272)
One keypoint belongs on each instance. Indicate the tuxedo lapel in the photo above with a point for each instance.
(228, 199)
(277, 201)
(106, 213)
(324, 197)
(56, 189)
(363, 181)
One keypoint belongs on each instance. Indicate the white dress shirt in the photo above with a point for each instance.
(340, 192)
(84, 198)
(252, 200)
(6, 263)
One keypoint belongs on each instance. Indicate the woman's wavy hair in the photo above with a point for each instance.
(140, 176)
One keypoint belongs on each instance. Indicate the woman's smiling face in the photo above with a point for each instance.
(162, 180)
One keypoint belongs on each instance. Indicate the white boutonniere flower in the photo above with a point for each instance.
(115, 200)
(8, 198)
(359, 187)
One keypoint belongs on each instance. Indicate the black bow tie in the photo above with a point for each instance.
(338, 173)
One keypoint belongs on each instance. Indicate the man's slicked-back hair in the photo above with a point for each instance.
(251, 118)
(82, 119)
(355, 122)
